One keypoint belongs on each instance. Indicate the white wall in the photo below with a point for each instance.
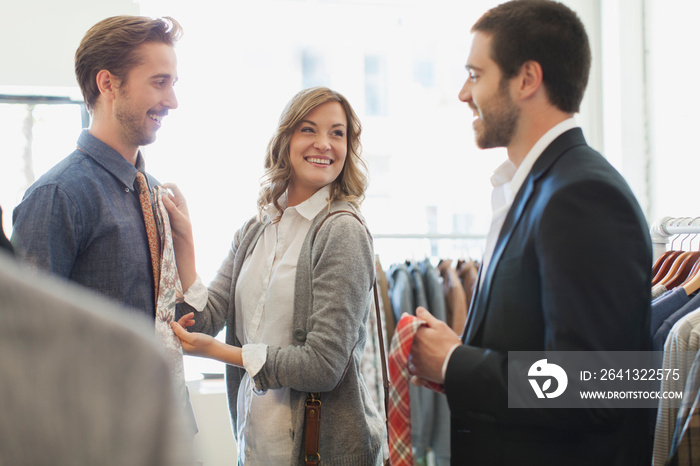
(625, 97)
(672, 76)
(38, 35)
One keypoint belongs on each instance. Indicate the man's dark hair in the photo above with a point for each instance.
(546, 32)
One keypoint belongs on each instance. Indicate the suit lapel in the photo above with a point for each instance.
(479, 305)
(514, 214)
(472, 305)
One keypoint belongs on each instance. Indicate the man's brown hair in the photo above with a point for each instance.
(112, 45)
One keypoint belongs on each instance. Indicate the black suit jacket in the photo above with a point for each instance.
(571, 271)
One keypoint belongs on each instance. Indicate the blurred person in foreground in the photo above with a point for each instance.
(79, 388)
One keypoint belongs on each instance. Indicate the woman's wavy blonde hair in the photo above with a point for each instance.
(352, 182)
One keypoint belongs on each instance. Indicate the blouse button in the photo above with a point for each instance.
(299, 334)
(126, 190)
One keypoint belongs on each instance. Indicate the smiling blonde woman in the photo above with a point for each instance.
(294, 294)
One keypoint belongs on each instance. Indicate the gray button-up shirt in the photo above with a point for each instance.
(82, 220)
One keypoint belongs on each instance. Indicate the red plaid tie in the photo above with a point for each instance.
(151, 229)
(400, 451)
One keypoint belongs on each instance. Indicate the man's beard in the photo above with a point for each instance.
(132, 124)
(499, 120)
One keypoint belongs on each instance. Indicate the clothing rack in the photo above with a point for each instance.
(427, 236)
(421, 245)
(665, 228)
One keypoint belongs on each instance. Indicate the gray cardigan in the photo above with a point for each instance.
(334, 281)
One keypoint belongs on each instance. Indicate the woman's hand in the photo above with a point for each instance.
(183, 241)
(187, 320)
(200, 344)
(179, 215)
(195, 344)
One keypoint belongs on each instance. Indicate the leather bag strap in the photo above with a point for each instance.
(312, 430)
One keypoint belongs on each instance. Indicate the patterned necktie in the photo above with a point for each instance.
(400, 450)
(151, 229)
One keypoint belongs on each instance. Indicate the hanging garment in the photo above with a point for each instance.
(413, 285)
(660, 336)
(403, 302)
(456, 303)
(664, 306)
(400, 415)
(168, 294)
(683, 339)
(685, 446)
(370, 365)
(469, 274)
(422, 401)
(439, 433)
(401, 291)
(385, 302)
(401, 452)
(657, 291)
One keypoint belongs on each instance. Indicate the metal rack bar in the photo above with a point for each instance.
(667, 227)
(426, 236)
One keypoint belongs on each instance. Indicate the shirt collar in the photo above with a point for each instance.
(500, 179)
(307, 209)
(110, 159)
(503, 173)
(313, 205)
(524, 169)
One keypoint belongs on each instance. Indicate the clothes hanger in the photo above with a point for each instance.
(692, 273)
(669, 257)
(688, 269)
(675, 266)
(663, 257)
(692, 282)
(666, 266)
(659, 262)
(684, 271)
(680, 267)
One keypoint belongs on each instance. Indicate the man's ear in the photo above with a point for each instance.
(107, 84)
(529, 78)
